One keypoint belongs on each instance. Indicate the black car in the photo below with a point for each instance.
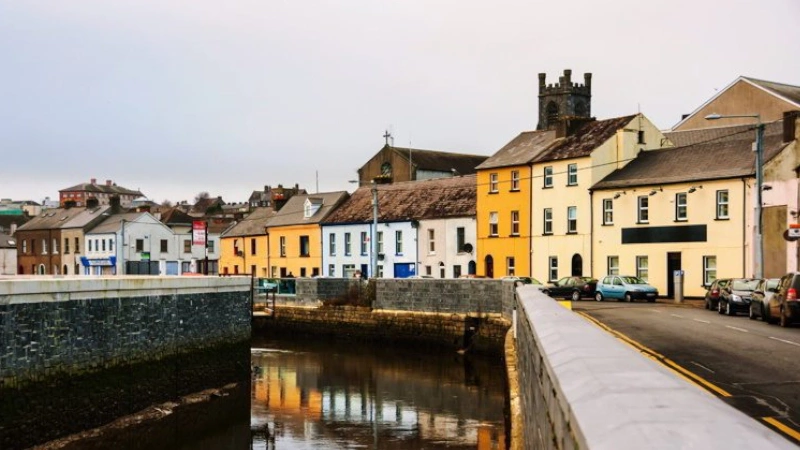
(736, 296)
(574, 288)
(784, 304)
(713, 292)
(759, 306)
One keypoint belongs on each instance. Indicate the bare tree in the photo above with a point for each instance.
(201, 196)
(166, 204)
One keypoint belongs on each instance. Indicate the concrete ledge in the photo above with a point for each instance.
(54, 288)
(582, 388)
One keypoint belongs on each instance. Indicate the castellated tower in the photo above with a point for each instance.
(564, 99)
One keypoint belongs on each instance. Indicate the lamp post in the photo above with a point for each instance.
(758, 237)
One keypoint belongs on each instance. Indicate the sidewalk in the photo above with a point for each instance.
(689, 303)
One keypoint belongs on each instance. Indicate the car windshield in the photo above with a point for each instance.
(744, 285)
(632, 280)
(773, 283)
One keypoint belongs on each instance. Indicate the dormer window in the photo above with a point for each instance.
(311, 206)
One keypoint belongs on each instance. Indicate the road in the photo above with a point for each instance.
(750, 365)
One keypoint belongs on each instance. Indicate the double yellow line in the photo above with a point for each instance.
(687, 374)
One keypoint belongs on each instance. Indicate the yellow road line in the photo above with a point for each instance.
(566, 304)
(782, 428)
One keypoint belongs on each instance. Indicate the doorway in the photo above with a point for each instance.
(673, 264)
(489, 263)
(577, 265)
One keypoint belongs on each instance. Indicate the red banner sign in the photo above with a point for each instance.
(199, 232)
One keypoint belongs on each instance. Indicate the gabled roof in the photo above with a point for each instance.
(411, 200)
(114, 222)
(521, 150)
(87, 217)
(101, 188)
(585, 139)
(292, 212)
(252, 225)
(52, 219)
(720, 134)
(785, 92)
(440, 161)
(174, 216)
(726, 158)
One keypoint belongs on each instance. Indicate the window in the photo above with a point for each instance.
(111, 245)
(380, 242)
(548, 221)
(66, 246)
(77, 246)
(515, 180)
(398, 242)
(305, 249)
(460, 239)
(642, 209)
(709, 269)
(428, 270)
(548, 177)
(164, 246)
(44, 246)
(510, 266)
(553, 268)
(642, 267)
(722, 204)
(515, 223)
(332, 245)
(364, 243)
(103, 244)
(187, 246)
(282, 245)
(139, 245)
(456, 271)
(24, 246)
(572, 175)
(90, 244)
(680, 206)
(493, 183)
(572, 219)
(431, 241)
(331, 270)
(608, 211)
(252, 246)
(210, 245)
(380, 271)
(641, 137)
(613, 265)
(55, 245)
(347, 245)
(493, 223)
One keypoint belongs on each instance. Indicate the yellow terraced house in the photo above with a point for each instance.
(243, 246)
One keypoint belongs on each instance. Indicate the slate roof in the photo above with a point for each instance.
(426, 199)
(7, 241)
(101, 188)
(175, 216)
(52, 219)
(698, 162)
(114, 222)
(787, 91)
(252, 225)
(440, 161)
(7, 221)
(521, 150)
(720, 134)
(584, 140)
(292, 213)
(87, 217)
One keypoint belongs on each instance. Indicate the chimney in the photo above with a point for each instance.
(542, 78)
(92, 202)
(115, 203)
(568, 126)
(94, 180)
(790, 125)
(587, 80)
(13, 228)
(108, 182)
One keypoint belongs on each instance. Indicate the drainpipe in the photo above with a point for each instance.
(744, 227)
(591, 233)
(530, 221)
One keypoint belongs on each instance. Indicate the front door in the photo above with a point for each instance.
(577, 265)
(673, 264)
(489, 263)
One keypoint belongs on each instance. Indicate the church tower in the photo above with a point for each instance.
(564, 99)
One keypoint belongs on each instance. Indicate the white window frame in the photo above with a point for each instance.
(380, 242)
(643, 267)
(493, 225)
(643, 209)
(515, 180)
(552, 268)
(431, 241)
(547, 216)
(723, 212)
(681, 207)
(364, 244)
(548, 177)
(709, 269)
(331, 270)
(612, 262)
(608, 211)
(348, 244)
(493, 183)
(282, 246)
(572, 219)
(572, 174)
(514, 223)
(510, 266)
(332, 245)
(398, 242)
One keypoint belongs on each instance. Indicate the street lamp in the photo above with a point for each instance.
(758, 237)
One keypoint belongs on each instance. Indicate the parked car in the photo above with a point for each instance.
(523, 280)
(784, 304)
(713, 291)
(759, 306)
(625, 288)
(574, 288)
(736, 296)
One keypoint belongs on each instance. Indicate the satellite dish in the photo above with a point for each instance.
(467, 248)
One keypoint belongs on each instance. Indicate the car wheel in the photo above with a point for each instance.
(729, 311)
(708, 304)
(598, 296)
(628, 297)
(576, 296)
(784, 320)
(750, 314)
(768, 317)
(720, 310)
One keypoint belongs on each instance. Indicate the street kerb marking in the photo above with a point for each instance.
(737, 329)
(784, 341)
(782, 428)
(677, 315)
(675, 367)
(701, 320)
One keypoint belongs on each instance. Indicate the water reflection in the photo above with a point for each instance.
(311, 395)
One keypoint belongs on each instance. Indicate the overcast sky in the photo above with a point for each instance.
(178, 97)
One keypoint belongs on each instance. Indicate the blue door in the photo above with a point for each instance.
(404, 270)
(172, 267)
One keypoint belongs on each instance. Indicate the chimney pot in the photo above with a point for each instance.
(94, 180)
(108, 182)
